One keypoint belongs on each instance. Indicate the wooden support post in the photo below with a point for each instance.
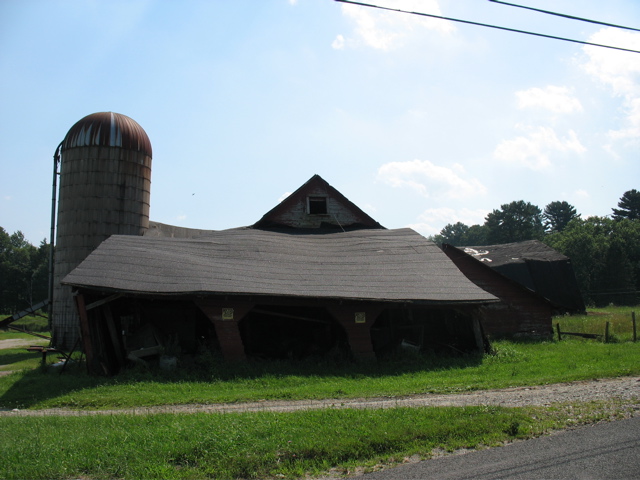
(115, 336)
(633, 321)
(477, 333)
(357, 322)
(85, 331)
(558, 330)
(225, 318)
(606, 332)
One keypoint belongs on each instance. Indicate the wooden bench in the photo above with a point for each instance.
(45, 351)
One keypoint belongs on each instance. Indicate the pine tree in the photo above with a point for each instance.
(629, 206)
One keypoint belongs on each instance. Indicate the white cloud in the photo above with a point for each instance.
(432, 220)
(611, 151)
(367, 207)
(384, 30)
(293, 2)
(533, 150)
(581, 194)
(430, 180)
(283, 196)
(338, 43)
(556, 99)
(620, 72)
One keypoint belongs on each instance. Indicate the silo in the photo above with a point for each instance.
(105, 184)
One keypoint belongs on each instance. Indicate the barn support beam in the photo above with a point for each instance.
(85, 333)
(226, 318)
(357, 321)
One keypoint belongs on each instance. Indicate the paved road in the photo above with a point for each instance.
(603, 451)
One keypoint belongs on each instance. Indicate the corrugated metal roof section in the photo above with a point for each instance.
(377, 265)
(108, 129)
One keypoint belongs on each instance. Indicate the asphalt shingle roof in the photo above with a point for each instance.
(517, 252)
(378, 265)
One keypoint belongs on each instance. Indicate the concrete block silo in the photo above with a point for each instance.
(105, 185)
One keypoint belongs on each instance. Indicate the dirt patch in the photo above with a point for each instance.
(625, 388)
(20, 342)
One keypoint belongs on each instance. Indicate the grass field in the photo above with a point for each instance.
(291, 445)
(619, 318)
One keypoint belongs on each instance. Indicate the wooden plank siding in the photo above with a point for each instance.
(520, 311)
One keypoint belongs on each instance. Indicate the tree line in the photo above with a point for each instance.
(604, 251)
(24, 272)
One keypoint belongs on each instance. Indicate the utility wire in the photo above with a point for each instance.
(566, 16)
(487, 25)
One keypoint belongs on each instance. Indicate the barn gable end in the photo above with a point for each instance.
(316, 204)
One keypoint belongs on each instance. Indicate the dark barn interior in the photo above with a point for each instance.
(292, 333)
(444, 331)
(137, 330)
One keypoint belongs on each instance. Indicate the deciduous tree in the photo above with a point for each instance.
(453, 234)
(557, 216)
(605, 255)
(514, 222)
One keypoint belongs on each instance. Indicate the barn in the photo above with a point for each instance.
(537, 267)
(521, 311)
(314, 277)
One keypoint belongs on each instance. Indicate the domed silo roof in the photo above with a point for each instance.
(108, 129)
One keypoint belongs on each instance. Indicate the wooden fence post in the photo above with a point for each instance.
(558, 329)
(606, 333)
(633, 320)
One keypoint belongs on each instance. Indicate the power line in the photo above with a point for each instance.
(564, 39)
(548, 12)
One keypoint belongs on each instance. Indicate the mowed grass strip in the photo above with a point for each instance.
(262, 444)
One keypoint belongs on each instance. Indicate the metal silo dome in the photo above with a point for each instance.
(105, 185)
(108, 129)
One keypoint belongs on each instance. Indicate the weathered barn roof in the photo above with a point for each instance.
(374, 265)
(517, 252)
(538, 267)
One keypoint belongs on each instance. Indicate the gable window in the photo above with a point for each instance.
(317, 205)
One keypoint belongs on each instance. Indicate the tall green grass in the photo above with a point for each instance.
(259, 445)
(619, 319)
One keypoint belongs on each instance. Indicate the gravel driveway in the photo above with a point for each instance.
(626, 389)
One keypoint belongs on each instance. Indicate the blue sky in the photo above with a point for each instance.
(420, 122)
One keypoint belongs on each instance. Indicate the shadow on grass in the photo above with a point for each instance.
(30, 388)
(9, 357)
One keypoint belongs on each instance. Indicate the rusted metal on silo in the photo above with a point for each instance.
(105, 185)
